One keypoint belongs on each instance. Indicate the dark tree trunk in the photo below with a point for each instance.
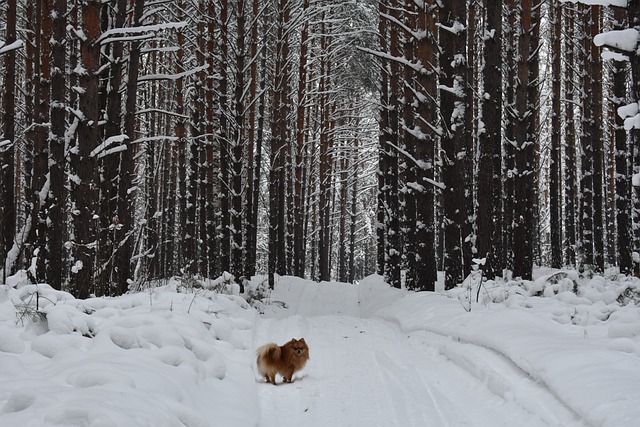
(277, 183)
(393, 250)
(238, 147)
(587, 142)
(223, 141)
(83, 164)
(570, 171)
(555, 205)
(126, 196)
(326, 160)
(383, 161)
(622, 163)
(597, 137)
(426, 117)
(7, 149)
(58, 186)
(490, 145)
(453, 110)
(524, 214)
(299, 196)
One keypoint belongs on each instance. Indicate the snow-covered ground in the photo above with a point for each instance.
(562, 350)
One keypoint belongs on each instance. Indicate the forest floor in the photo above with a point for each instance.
(562, 350)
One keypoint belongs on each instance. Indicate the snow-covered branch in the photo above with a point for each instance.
(107, 36)
(174, 77)
(618, 3)
(4, 48)
(100, 148)
(625, 40)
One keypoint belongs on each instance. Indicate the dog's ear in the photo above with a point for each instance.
(301, 340)
(294, 340)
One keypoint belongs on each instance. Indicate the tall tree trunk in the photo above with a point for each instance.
(223, 140)
(182, 239)
(453, 109)
(393, 234)
(622, 162)
(510, 171)
(277, 183)
(597, 138)
(83, 163)
(7, 144)
(426, 117)
(58, 187)
(126, 195)
(524, 215)
(212, 239)
(489, 215)
(252, 249)
(383, 161)
(555, 205)
(411, 172)
(249, 246)
(299, 196)
(107, 274)
(570, 170)
(587, 159)
(326, 158)
(238, 145)
(38, 227)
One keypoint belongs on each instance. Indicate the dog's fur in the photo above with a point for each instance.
(285, 360)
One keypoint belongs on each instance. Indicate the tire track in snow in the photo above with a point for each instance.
(502, 377)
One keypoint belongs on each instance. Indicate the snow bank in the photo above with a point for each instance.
(584, 346)
(151, 358)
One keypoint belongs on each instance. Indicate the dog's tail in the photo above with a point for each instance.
(268, 352)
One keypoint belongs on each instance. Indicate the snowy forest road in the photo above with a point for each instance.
(366, 372)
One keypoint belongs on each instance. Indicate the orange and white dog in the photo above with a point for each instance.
(285, 360)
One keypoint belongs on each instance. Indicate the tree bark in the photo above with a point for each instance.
(84, 165)
(453, 109)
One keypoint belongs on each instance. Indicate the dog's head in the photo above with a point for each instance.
(299, 347)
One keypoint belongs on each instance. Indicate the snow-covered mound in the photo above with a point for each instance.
(579, 337)
(168, 356)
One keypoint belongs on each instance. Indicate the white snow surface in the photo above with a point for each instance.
(562, 350)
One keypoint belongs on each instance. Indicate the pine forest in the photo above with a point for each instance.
(330, 140)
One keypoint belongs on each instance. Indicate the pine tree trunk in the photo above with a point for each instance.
(277, 183)
(7, 142)
(212, 255)
(299, 196)
(453, 110)
(587, 158)
(597, 137)
(411, 173)
(383, 135)
(38, 229)
(570, 171)
(489, 215)
(524, 215)
(326, 160)
(426, 53)
(393, 232)
(58, 186)
(238, 147)
(83, 165)
(510, 172)
(223, 141)
(253, 229)
(555, 205)
(622, 163)
(251, 136)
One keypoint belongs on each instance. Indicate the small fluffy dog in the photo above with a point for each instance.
(273, 359)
